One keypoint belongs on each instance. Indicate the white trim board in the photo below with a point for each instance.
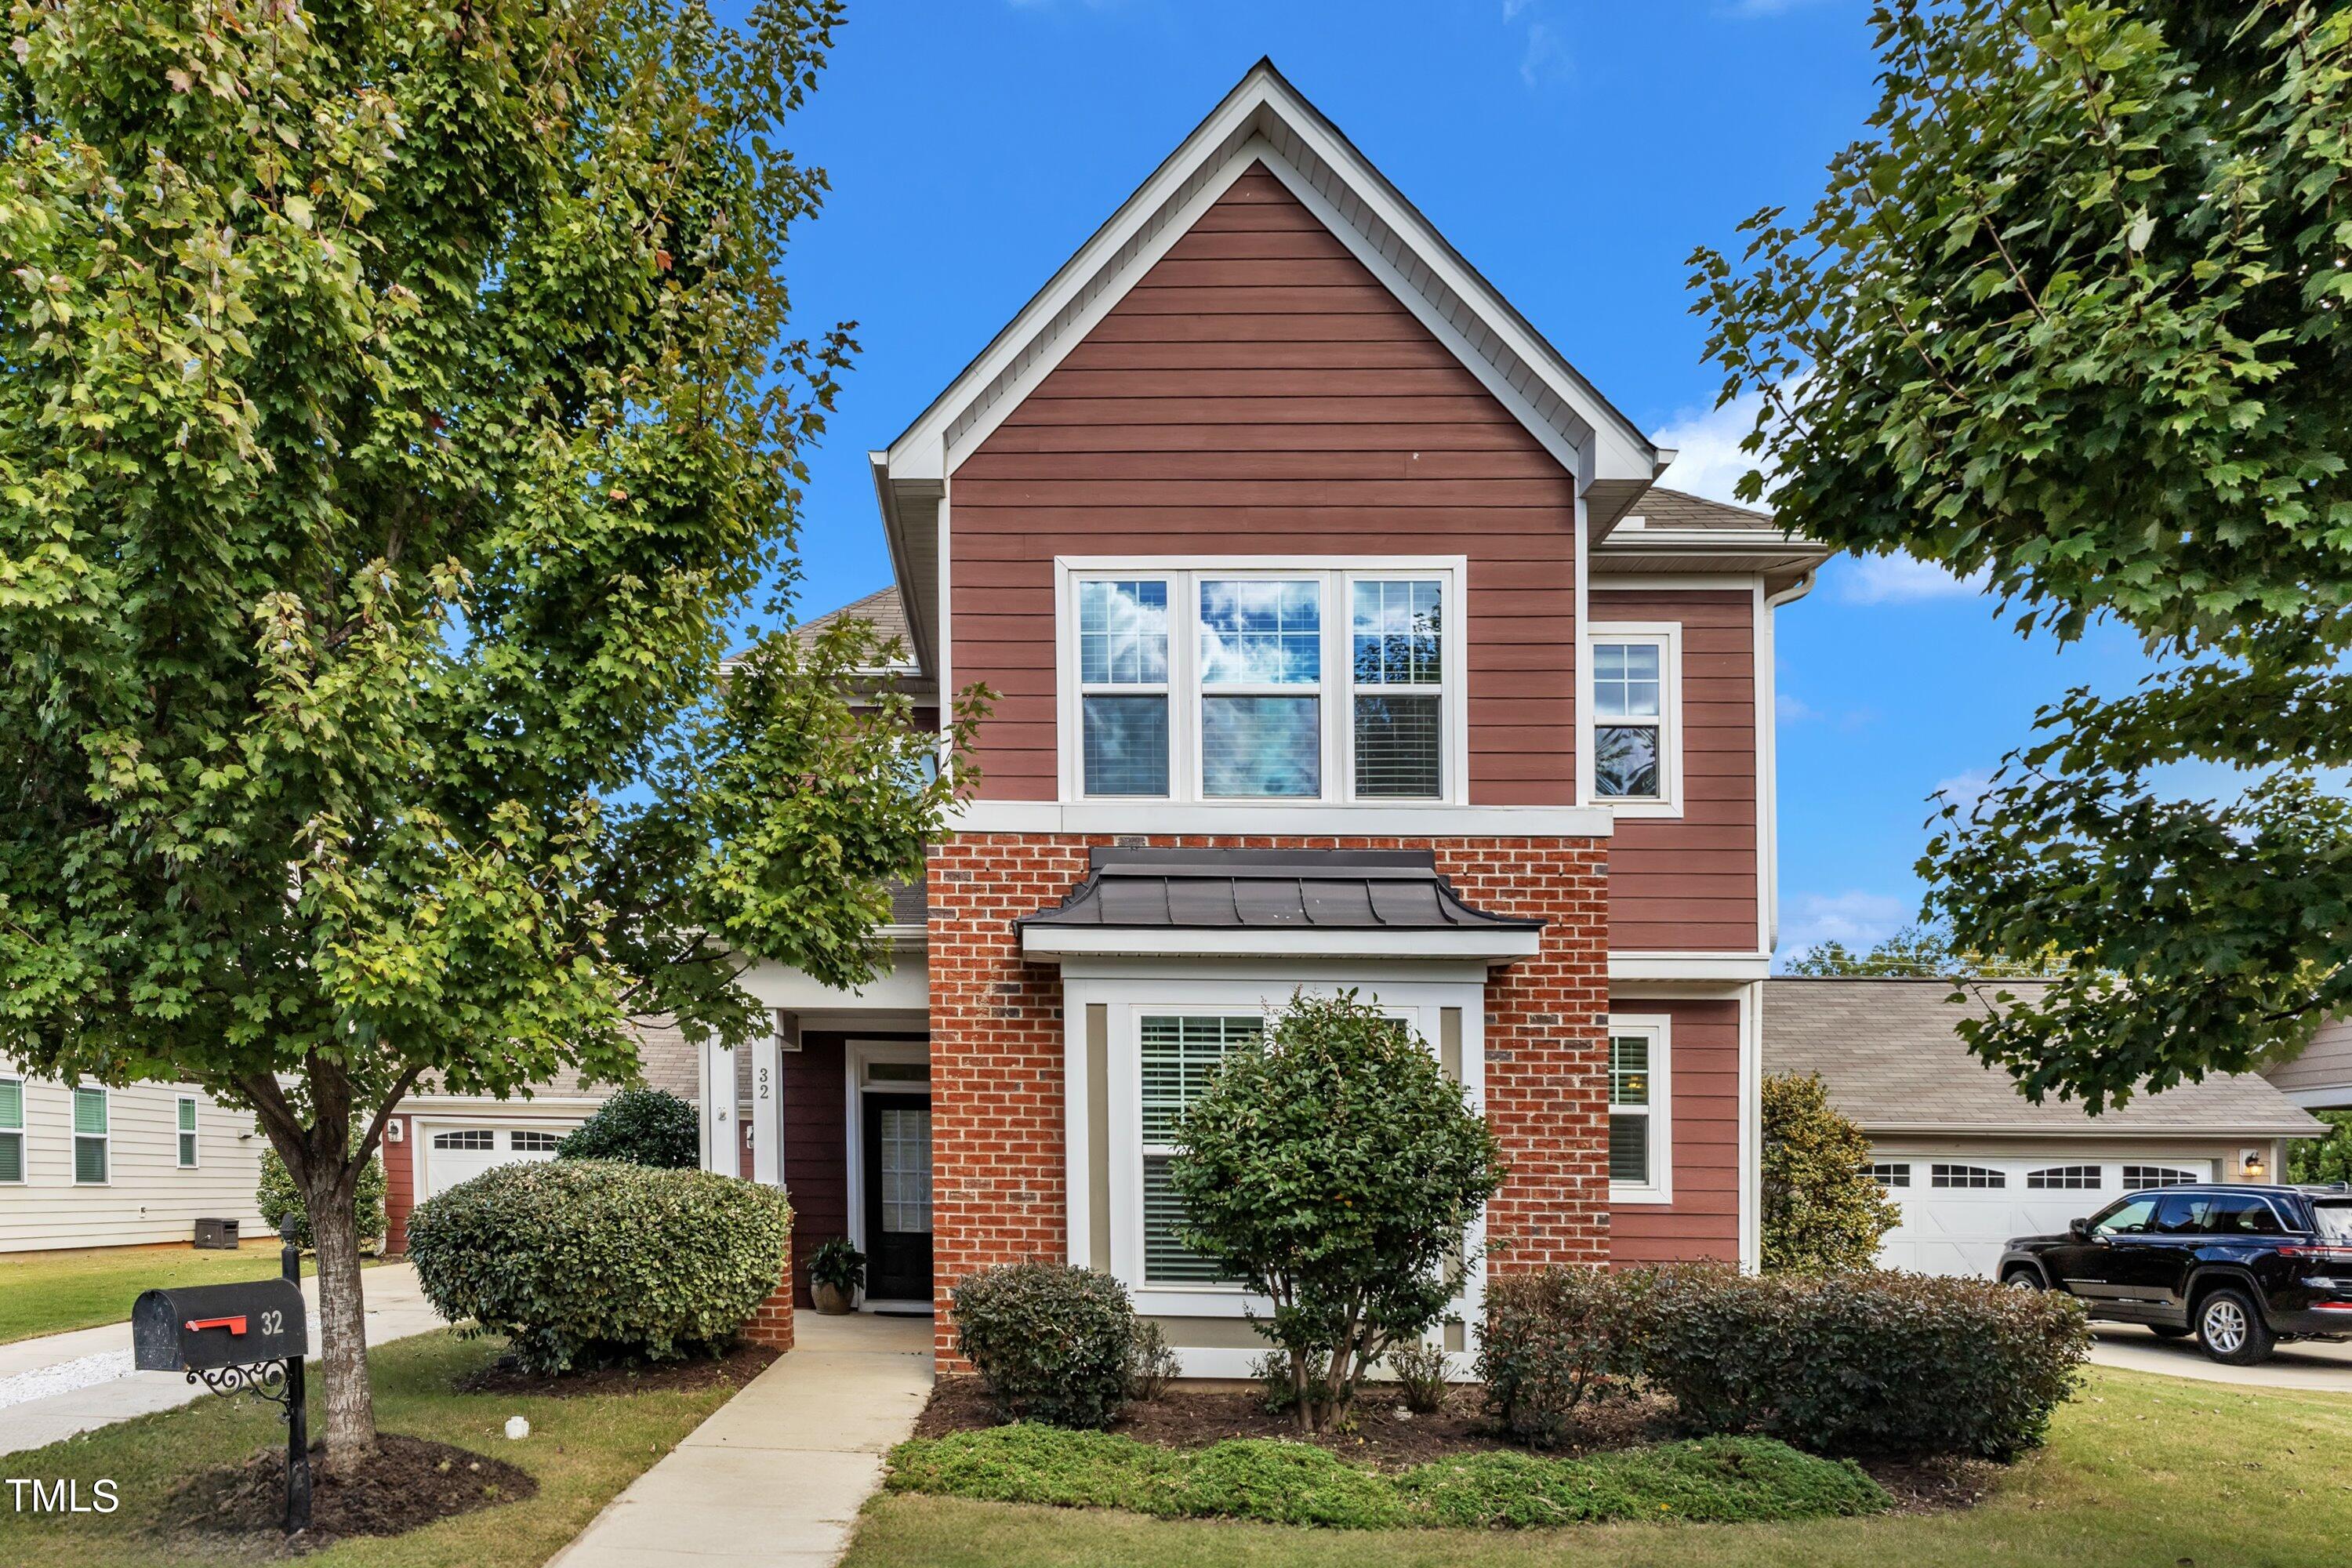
(1311, 819)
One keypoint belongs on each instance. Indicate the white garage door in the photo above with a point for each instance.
(1958, 1208)
(453, 1154)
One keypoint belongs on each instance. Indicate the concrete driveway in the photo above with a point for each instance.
(2306, 1364)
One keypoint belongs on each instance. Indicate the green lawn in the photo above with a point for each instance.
(51, 1292)
(2140, 1470)
(581, 1451)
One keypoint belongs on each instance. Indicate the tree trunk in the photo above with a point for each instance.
(342, 1316)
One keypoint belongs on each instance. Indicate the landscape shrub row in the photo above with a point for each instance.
(1715, 1480)
(588, 1262)
(1842, 1363)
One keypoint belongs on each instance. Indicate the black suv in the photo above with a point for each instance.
(2240, 1267)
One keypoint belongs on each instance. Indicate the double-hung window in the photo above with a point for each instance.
(1640, 1110)
(187, 1128)
(90, 1123)
(1123, 680)
(1248, 683)
(12, 1129)
(1261, 688)
(1179, 1053)
(1633, 690)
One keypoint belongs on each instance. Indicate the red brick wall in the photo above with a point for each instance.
(997, 1157)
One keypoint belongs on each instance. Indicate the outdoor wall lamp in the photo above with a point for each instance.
(2251, 1165)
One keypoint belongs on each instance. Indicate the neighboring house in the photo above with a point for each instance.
(2320, 1077)
(91, 1166)
(1971, 1160)
(1340, 639)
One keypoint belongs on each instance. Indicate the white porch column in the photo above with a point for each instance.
(719, 1135)
(768, 1100)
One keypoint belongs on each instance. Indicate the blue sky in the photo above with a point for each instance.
(1575, 152)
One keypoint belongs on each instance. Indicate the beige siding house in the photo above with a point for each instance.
(116, 1167)
(2321, 1078)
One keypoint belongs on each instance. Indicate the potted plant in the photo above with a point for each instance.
(837, 1270)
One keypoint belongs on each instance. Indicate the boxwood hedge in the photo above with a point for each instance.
(588, 1262)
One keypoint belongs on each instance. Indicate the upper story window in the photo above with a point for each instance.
(1249, 682)
(1632, 693)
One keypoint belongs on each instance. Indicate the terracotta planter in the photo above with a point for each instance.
(831, 1299)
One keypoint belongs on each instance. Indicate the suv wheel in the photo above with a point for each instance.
(2021, 1279)
(2230, 1329)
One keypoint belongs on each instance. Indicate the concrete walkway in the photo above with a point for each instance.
(2304, 1363)
(776, 1476)
(99, 1361)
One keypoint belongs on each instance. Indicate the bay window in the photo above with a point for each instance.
(1258, 683)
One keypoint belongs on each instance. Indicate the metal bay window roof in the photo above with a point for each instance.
(1272, 903)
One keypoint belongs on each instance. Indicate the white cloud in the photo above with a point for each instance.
(1511, 9)
(1707, 458)
(1903, 580)
(1856, 918)
(1965, 789)
(1795, 710)
(1547, 54)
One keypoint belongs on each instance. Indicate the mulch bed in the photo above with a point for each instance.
(733, 1370)
(410, 1482)
(1387, 1437)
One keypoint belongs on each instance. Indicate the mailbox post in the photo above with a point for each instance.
(235, 1339)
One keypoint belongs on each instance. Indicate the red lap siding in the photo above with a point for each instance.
(1259, 392)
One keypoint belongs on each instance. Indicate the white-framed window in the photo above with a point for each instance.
(534, 1143)
(2063, 1179)
(12, 1130)
(1891, 1173)
(1946, 1175)
(93, 1140)
(1176, 1055)
(1633, 730)
(477, 1139)
(2142, 1178)
(1255, 682)
(1641, 1110)
(187, 1123)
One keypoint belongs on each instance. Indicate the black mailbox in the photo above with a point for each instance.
(205, 1327)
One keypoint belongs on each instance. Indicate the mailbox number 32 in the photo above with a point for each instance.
(273, 1323)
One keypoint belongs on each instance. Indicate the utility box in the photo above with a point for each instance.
(204, 1328)
(217, 1235)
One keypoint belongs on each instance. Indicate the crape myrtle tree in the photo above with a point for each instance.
(2072, 315)
(1823, 1212)
(397, 423)
(1334, 1168)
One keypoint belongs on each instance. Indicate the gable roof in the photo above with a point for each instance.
(1674, 531)
(1263, 121)
(1887, 1054)
(883, 608)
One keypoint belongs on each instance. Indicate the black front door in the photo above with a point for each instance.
(896, 1137)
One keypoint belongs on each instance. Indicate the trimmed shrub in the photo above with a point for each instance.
(1863, 1363)
(1151, 1363)
(590, 1262)
(1334, 1168)
(278, 1197)
(1553, 1340)
(1721, 1480)
(1053, 1341)
(1822, 1212)
(639, 1127)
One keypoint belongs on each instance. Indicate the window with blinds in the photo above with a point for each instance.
(187, 1123)
(91, 1136)
(1177, 1056)
(12, 1129)
(1629, 1108)
(1399, 669)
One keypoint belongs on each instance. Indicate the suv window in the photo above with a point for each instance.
(2130, 1217)
(2182, 1216)
(2242, 1214)
(2334, 1220)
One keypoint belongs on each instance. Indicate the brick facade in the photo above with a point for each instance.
(771, 1322)
(997, 1144)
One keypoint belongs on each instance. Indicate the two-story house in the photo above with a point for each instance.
(1341, 638)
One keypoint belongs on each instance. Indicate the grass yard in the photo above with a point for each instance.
(52, 1292)
(581, 1451)
(2141, 1469)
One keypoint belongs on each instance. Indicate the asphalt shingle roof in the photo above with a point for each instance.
(883, 607)
(1887, 1053)
(1662, 508)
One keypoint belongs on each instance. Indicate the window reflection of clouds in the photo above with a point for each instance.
(1261, 632)
(1123, 633)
